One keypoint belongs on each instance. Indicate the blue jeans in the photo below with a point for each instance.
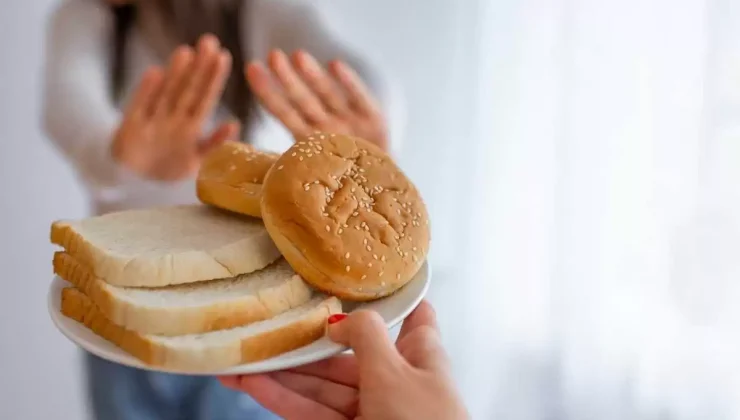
(120, 392)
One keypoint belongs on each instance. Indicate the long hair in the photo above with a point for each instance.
(191, 19)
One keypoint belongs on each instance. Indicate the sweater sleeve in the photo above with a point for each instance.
(78, 114)
(291, 25)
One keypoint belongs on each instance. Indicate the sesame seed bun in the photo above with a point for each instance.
(345, 217)
(231, 176)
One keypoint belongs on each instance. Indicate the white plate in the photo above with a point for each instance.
(393, 309)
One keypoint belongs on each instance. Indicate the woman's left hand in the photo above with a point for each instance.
(306, 97)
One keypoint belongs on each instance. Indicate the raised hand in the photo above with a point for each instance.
(408, 381)
(306, 97)
(160, 136)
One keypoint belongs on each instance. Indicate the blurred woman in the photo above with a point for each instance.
(136, 92)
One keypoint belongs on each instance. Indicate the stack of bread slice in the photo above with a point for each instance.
(187, 287)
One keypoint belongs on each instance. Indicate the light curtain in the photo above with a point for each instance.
(603, 279)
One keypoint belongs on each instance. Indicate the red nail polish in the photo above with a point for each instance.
(336, 318)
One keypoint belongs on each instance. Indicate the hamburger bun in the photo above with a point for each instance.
(231, 176)
(345, 216)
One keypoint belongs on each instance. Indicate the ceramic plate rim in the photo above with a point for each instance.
(414, 292)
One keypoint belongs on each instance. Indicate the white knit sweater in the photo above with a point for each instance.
(79, 117)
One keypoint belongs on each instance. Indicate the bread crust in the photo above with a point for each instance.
(345, 216)
(301, 332)
(231, 177)
(240, 254)
(191, 319)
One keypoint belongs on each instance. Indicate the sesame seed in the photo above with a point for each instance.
(368, 248)
(382, 258)
(328, 228)
(414, 248)
(364, 241)
(232, 167)
(346, 268)
(292, 154)
(381, 275)
(382, 283)
(280, 167)
(375, 256)
(369, 264)
(363, 277)
(414, 258)
(300, 158)
(346, 255)
(309, 155)
(398, 276)
(340, 231)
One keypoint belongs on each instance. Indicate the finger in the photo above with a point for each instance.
(298, 93)
(231, 382)
(146, 93)
(321, 83)
(282, 401)
(340, 369)
(366, 333)
(358, 94)
(274, 100)
(223, 133)
(177, 69)
(208, 49)
(423, 314)
(338, 397)
(213, 86)
(422, 348)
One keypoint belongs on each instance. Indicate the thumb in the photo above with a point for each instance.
(223, 133)
(365, 332)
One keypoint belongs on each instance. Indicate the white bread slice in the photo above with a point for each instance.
(168, 245)
(195, 307)
(214, 350)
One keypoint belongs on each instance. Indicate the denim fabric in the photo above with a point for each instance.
(119, 392)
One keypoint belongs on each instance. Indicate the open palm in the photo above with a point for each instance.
(307, 97)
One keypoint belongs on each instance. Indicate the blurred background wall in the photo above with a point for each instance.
(581, 161)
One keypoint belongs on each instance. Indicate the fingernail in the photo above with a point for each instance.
(336, 318)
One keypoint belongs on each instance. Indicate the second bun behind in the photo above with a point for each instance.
(345, 216)
(231, 177)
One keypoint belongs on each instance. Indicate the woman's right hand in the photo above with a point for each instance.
(380, 381)
(161, 132)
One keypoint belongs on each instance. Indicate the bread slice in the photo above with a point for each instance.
(167, 245)
(214, 350)
(191, 308)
